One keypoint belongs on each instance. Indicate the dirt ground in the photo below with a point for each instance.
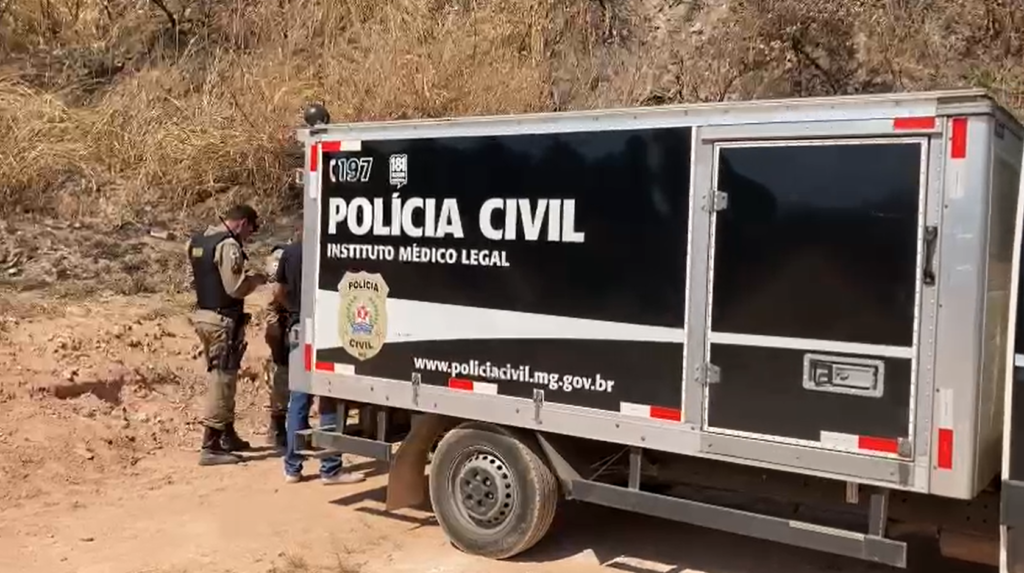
(99, 387)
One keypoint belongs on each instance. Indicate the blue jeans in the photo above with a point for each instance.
(298, 419)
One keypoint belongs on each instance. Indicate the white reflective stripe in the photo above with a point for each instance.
(352, 145)
(348, 369)
(811, 344)
(841, 441)
(314, 184)
(309, 330)
(945, 407)
(485, 388)
(1018, 360)
(415, 321)
(630, 409)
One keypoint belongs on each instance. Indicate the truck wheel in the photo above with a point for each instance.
(493, 495)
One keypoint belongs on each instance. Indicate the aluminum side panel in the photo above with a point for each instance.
(1013, 366)
(697, 299)
(928, 326)
(614, 428)
(1003, 183)
(825, 109)
(1011, 532)
(298, 377)
(960, 271)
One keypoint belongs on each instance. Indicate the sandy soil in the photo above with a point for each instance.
(99, 387)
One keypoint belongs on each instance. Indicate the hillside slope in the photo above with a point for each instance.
(135, 110)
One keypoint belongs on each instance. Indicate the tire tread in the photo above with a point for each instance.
(542, 507)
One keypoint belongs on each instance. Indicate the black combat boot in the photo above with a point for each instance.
(277, 433)
(212, 453)
(231, 442)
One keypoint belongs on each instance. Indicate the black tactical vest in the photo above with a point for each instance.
(210, 293)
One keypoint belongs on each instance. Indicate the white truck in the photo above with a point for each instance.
(809, 305)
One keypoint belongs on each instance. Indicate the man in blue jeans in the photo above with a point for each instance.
(287, 294)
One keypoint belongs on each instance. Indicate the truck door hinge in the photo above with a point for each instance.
(417, 379)
(720, 201)
(538, 403)
(709, 374)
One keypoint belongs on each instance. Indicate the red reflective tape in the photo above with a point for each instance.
(958, 138)
(307, 356)
(460, 384)
(314, 158)
(325, 366)
(913, 123)
(886, 445)
(945, 453)
(330, 146)
(670, 414)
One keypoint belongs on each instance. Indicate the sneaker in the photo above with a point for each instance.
(342, 478)
(292, 478)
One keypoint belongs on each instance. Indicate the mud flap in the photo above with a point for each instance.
(407, 480)
(1012, 524)
(1013, 552)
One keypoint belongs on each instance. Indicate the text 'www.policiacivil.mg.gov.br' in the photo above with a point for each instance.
(486, 371)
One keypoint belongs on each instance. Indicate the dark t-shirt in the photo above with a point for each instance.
(289, 275)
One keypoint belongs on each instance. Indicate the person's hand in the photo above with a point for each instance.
(260, 278)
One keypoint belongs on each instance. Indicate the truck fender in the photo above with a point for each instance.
(407, 480)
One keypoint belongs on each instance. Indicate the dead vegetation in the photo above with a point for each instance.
(150, 109)
(290, 563)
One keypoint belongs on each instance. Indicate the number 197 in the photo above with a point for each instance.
(350, 170)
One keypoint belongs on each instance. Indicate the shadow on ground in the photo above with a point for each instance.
(633, 543)
(636, 543)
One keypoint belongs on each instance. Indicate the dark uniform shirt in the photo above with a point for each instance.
(289, 275)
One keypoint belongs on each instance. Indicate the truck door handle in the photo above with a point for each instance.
(931, 237)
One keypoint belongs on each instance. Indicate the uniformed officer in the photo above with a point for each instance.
(288, 294)
(221, 284)
(276, 338)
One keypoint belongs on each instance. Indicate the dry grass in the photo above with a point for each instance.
(296, 564)
(204, 106)
(133, 111)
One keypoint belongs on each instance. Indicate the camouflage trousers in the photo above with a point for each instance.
(214, 332)
(278, 389)
(276, 338)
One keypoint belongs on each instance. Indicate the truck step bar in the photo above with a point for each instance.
(868, 547)
(328, 440)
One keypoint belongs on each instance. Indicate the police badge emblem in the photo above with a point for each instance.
(363, 319)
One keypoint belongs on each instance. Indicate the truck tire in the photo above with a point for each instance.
(492, 493)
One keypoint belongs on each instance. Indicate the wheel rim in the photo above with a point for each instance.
(483, 489)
